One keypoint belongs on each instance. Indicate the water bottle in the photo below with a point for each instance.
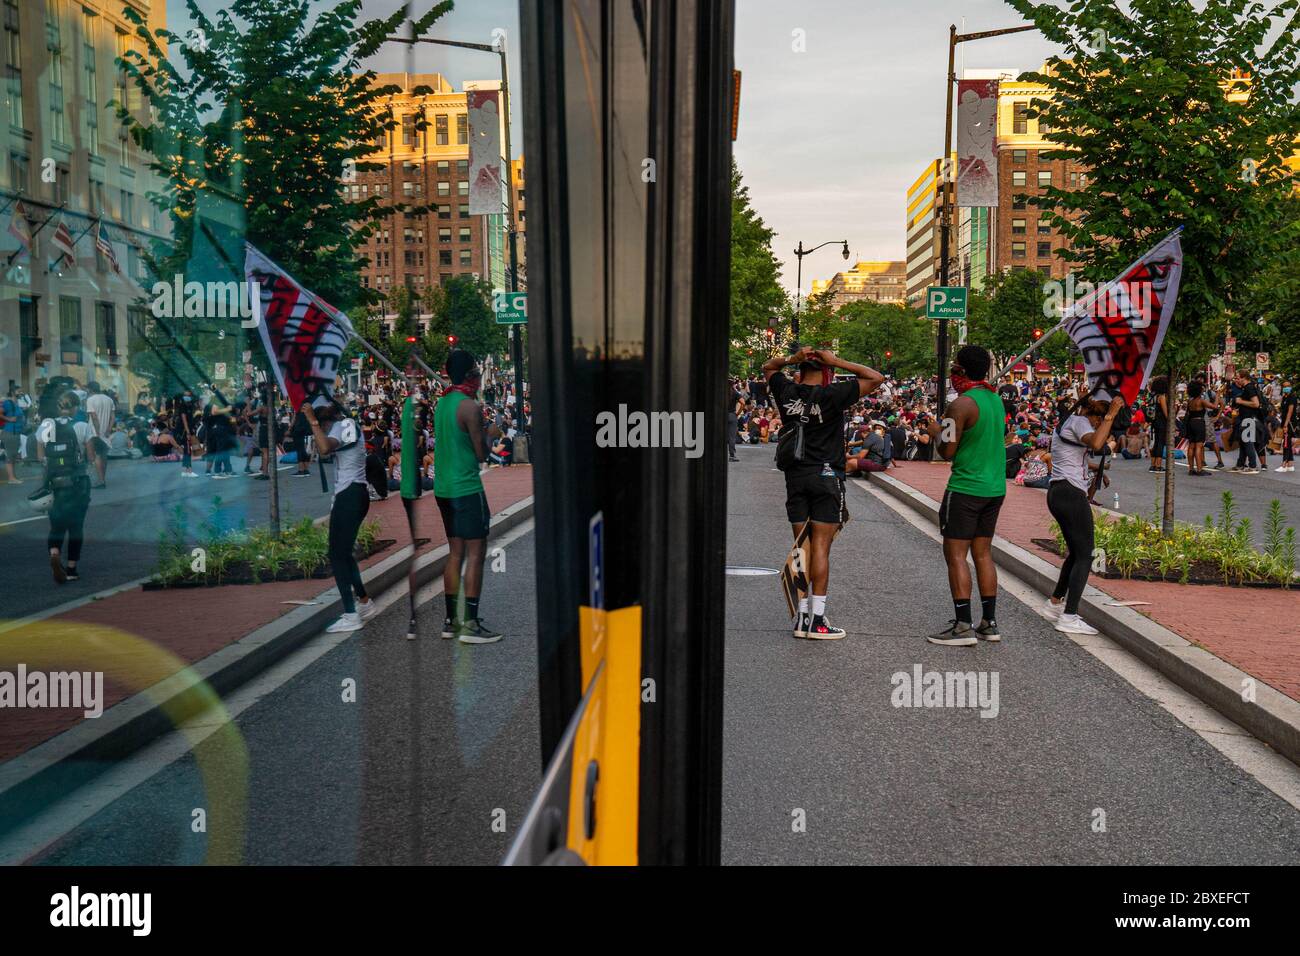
(1117, 501)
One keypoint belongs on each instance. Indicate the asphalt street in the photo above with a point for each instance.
(441, 743)
(125, 521)
(820, 765)
(811, 733)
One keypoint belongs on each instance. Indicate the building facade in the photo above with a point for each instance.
(67, 159)
(866, 281)
(922, 230)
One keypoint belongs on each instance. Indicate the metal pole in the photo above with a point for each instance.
(945, 224)
(798, 287)
(271, 422)
(516, 343)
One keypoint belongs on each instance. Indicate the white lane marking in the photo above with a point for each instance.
(61, 818)
(1236, 743)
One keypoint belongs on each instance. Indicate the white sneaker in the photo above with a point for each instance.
(367, 609)
(1285, 468)
(1073, 624)
(347, 622)
(1053, 610)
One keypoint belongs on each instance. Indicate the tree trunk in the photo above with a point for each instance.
(1167, 518)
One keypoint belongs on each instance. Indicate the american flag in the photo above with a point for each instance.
(106, 248)
(62, 242)
(20, 228)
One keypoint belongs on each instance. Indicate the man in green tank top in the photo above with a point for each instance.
(971, 437)
(458, 450)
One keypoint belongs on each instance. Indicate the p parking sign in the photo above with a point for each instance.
(945, 302)
(511, 308)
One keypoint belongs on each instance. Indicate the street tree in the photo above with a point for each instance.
(1004, 316)
(1183, 115)
(756, 293)
(887, 336)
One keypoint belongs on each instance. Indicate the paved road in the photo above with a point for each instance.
(443, 735)
(1194, 498)
(125, 521)
(440, 737)
(810, 726)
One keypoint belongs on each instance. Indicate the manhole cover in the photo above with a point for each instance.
(746, 572)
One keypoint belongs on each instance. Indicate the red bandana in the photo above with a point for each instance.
(468, 387)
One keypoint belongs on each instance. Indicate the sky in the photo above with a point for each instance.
(830, 139)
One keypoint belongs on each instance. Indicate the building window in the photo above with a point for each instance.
(18, 172)
(440, 129)
(128, 206)
(463, 211)
(1044, 250)
(444, 167)
(444, 211)
(54, 43)
(444, 188)
(62, 184)
(410, 135)
(1017, 250)
(466, 257)
(462, 128)
(1044, 177)
(411, 188)
(1019, 177)
(13, 65)
(462, 167)
(70, 330)
(1017, 227)
(444, 257)
(90, 87)
(465, 234)
(105, 327)
(462, 188)
(1019, 155)
(1019, 117)
(444, 234)
(1045, 226)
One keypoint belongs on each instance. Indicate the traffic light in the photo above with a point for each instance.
(451, 340)
(1038, 334)
(411, 339)
(888, 354)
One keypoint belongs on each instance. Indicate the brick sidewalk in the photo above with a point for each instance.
(191, 623)
(1254, 629)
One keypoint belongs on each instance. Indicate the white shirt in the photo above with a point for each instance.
(1070, 461)
(350, 456)
(100, 409)
(45, 432)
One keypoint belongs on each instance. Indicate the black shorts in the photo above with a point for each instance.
(968, 516)
(465, 517)
(816, 496)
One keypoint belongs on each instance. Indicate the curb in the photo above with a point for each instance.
(1272, 717)
(58, 766)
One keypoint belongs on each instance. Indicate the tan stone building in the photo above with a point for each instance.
(869, 281)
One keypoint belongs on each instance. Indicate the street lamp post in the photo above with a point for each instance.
(950, 195)
(800, 252)
(516, 344)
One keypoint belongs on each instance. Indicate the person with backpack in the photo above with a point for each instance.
(812, 455)
(63, 444)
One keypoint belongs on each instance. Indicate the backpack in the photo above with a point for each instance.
(65, 461)
(789, 444)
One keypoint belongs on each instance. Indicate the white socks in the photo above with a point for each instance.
(803, 605)
(818, 605)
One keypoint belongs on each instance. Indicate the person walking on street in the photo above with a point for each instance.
(1082, 433)
(458, 489)
(971, 438)
(812, 454)
(337, 434)
(11, 433)
(63, 443)
(100, 412)
(1289, 428)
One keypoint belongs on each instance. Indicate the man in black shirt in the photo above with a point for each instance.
(1250, 426)
(1289, 414)
(812, 454)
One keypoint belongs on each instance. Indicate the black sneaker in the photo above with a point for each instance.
(957, 634)
(988, 631)
(820, 629)
(450, 628)
(802, 621)
(71, 574)
(474, 632)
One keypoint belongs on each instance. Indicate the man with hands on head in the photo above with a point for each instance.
(812, 454)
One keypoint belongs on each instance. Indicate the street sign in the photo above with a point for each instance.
(1230, 346)
(1261, 361)
(945, 302)
(356, 365)
(220, 370)
(511, 308)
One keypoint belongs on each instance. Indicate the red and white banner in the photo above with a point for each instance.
(1120, 327)
(304, 335)
(977, 156)
(485, 195)
(62, 242)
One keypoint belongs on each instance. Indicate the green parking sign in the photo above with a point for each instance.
(945, 302)
(511, 308)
